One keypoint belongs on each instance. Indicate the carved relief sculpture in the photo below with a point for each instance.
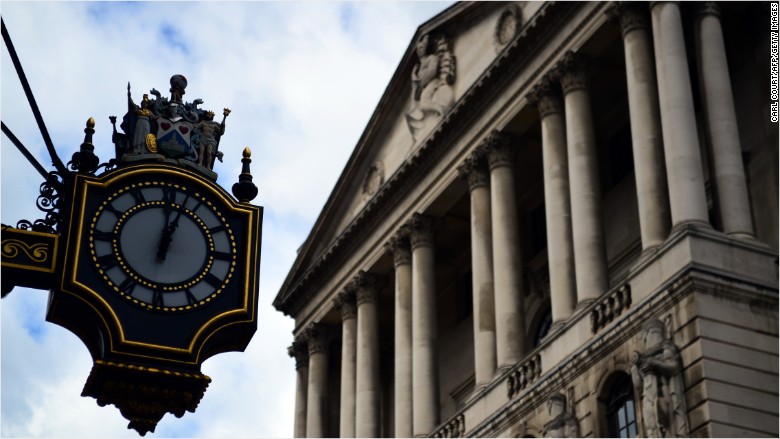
(563, 422)
(657, 376)
(432, 79)
(507, 26)
(374, 180)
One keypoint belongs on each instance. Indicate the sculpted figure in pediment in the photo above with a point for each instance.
(432, 79)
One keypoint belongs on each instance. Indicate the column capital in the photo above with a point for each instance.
(546, 96)
(474, 171)
(367, 286)
(316, 338)
(400, 248)
(300, 352)
(421, 230)
(345, 301)
(707, 8)
(573, 70)
(497, 148)
(660, 2)
(629, 16)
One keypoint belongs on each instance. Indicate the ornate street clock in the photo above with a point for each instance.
(156, 267)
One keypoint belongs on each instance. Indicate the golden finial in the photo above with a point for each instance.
(247, 152)
(91, 123)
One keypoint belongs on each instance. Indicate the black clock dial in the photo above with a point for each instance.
(162, 246)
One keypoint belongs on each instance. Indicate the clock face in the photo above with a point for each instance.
(162, 246)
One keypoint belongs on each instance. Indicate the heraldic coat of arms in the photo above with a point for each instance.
(172, 128)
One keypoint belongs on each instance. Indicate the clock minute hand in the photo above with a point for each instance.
(167, 237)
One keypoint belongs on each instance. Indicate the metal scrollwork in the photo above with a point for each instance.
(48, 202)
(108, 166)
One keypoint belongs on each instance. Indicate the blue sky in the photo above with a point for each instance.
(302, 80)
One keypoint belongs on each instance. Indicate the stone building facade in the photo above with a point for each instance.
(561, 220)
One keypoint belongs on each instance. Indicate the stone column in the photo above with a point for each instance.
(317, 400)
(590, 256)
(368, 385)
(300, 352)
(346, 302)
(425, 382)
(402, 258)
(722, 133)
(507, 264)
(681, 140)
(651, 189)
(560, 250)
(475, 171)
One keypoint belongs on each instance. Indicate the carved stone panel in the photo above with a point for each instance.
(507, 27)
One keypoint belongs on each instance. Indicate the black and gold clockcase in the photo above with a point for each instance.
(163, 263)
(156, 267)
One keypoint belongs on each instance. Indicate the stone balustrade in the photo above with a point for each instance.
(455, 427)
(609, 307)
(523, 375)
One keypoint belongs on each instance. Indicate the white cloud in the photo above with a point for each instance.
(302, 79)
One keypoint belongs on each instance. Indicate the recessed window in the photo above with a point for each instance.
(621, 413)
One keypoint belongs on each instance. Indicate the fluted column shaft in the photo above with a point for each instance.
(346, 302)
(590, 256)
(723, 134)
(684, 171)
(646, 137)
(402, 257)
(507, 263)
(317, 400)
(368, 386)
(300, 352)
(474, 170)
(560, 250)
(425, 382)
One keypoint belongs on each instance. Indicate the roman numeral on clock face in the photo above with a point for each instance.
(222, 256)
(191, 300)
(169, 194)
(128, 285)
(108, 261)
(104, 236)
(157, 298)
(110, 207)
(137, 194)
(212, 280)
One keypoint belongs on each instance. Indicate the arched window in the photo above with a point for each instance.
(621, 414)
